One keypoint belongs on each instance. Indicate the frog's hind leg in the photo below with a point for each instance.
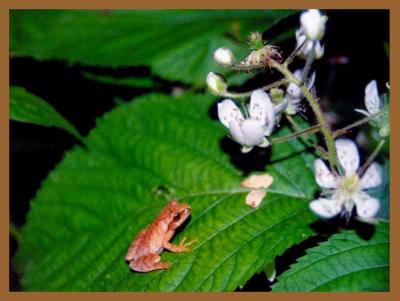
(149, 263)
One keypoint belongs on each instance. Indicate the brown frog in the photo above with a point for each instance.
(143, 253)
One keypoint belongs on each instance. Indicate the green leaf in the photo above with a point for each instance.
(346, 262)
(136, 82)
(26, 107)
(91, 206)
(178, 44)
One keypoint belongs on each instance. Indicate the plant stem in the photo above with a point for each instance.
(319, 150)
(307, 131)
(325, 130)
(371, 158)
(248, 94)
(344, 130)
(293, 54)
(307, 67)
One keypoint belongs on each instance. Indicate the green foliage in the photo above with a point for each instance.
(136, 82)
(346, 262)
(26, 107)
(177, 44)
(91, 206)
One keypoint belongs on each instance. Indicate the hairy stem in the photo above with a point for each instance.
(248, 94)
(318, 149)
(307, 131)
(371, 158)
(346, 129)
(293, 54)
(307, 67)
(325, 130)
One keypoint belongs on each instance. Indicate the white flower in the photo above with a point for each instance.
(371, 99)
(374, 106)
(313, 24)
(224, 56)
(308, 46)
(250, 131)
(216, 83)
(347, 191)
(294, 95)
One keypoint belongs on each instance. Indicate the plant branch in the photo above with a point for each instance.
(371, 158)
(319, 150)
(325, 130)
(293, 54)
(248, 94)
(360, 122)
(307, 131)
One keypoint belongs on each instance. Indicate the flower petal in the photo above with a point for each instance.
(371, 99)
(323, 176)
(312, 24)
(366, 205)
(348, 156)
(228, 111)
(362, 112)
(254, 197)
(258, 181)
(265, 143)
(293, 91)
(325, 207)
(236, 132)
(246, 149)
(372, 177)
(311, 80)
(262, 109)
(298, 74)
(253, 132)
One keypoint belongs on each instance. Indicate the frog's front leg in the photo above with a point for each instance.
(182, 247)
(148, 263)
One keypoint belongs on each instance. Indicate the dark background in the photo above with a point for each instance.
(354, 55)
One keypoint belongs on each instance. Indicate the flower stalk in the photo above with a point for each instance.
(325, 129)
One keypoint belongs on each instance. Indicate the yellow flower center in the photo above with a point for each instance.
(349, 186)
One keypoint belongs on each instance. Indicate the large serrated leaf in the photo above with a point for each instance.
(26, 107)
(346, 262)
(93, 204)
(178, 44)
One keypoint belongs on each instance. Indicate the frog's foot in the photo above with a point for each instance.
(149, 263)
(182, 247)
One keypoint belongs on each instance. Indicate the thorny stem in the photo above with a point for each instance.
(309, 61)
(293, 54)
(319, 150)
(307, 131)
(345, 130)
(371, 158)
(248, 94)
(325, 130)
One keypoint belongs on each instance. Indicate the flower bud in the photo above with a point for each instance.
(308, 46)
(313, 24)
(255, 41)
(224, 56)
(216, 84)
